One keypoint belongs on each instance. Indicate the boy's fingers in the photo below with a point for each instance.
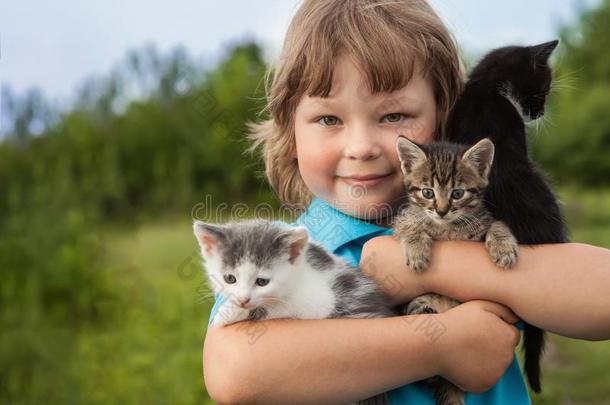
(500, 310)
(517, 336)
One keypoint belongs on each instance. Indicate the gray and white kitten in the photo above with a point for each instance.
(445, 186)
(267, 270)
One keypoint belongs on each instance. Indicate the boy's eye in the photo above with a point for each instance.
(261, 282)
(427, 193)
(229, 278)
(394, 117)
(457, 193)
(328, 120)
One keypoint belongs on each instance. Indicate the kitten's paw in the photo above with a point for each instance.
(420, 305)
(421, 309)
(418, 257)
(229, 313)
(503, 254)
(501, 244)
(418, 262)
(446, 393)
(219, 320)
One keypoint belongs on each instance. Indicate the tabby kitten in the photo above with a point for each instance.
(507, 88)
(445, 185)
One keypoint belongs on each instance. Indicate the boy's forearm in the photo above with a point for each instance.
(329, 361)
(562, 288)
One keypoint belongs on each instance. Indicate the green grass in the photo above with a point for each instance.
(152, 353)
(576, 372)
(588, 213)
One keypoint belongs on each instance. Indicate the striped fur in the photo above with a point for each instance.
(436, 211)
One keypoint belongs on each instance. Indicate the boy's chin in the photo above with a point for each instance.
(367, 208)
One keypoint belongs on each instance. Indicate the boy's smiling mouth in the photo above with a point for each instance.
(368, 180)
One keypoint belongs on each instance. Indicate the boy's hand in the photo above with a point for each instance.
(478, 345)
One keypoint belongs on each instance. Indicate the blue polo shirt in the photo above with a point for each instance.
(345, 235)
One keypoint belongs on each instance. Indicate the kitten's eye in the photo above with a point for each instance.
(427, 193)
(394, 117)
(457, 194)
(230, 278)
(261, 282)
(328, 120)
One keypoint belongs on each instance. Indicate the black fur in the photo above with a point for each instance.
(517, 193)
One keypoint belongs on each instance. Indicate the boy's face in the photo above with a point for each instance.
(352, 134)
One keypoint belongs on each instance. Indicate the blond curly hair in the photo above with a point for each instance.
(385, 38)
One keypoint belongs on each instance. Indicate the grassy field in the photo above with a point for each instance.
(152, 353)
(578, 372)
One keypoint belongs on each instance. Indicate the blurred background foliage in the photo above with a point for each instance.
(102, 298)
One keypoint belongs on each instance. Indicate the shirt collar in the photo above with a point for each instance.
(334, 228)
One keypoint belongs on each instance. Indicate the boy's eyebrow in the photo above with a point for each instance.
(402, 101)
(385, 103)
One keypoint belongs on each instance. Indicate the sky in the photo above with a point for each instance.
(56, 45)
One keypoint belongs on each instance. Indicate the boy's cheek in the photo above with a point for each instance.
(316, 176)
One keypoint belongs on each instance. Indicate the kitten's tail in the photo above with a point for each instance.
(533, 347)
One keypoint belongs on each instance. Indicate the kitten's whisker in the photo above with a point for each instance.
(490, 203)
(201, 298)
(548, 120)
(471, 222)
(567, 80)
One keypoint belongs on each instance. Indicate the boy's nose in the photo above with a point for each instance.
(362, 145)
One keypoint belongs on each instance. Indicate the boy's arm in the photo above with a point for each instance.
(337, 361)
(562, 288)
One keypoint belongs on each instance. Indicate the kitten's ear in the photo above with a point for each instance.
(542, 52)
(409, 153)
(295, 240)
(480, 157)
(208, 236)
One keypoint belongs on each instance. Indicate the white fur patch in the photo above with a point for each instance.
(508, 93)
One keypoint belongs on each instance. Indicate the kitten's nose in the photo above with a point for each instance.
(244, 301)
(442, 213)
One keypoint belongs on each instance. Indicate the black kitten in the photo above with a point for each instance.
(509, 86)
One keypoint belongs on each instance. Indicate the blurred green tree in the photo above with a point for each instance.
(574, 145)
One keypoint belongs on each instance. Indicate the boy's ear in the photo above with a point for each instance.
(409, 154)
(208, 236)
(480, 157)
